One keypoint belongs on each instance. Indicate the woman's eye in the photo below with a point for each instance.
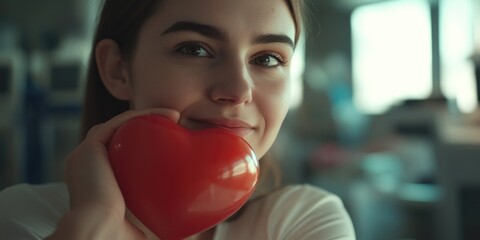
(268, 60)
(193, 49)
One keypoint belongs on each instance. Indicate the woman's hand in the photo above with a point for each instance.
(97, 208)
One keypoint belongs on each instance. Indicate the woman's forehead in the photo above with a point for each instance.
(231, 16)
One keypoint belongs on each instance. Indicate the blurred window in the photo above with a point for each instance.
(296, 74)
(457, 34)
(392, 53)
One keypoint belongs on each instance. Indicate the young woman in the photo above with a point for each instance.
(202, 64)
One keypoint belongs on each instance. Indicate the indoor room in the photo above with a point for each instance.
(383, 111)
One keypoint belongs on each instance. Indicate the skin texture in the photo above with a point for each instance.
(236, 77)
(203, 77)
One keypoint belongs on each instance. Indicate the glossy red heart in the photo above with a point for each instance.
(180, 182)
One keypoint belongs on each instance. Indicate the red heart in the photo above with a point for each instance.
(180, 182)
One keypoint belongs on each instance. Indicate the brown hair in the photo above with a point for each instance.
(120, 20)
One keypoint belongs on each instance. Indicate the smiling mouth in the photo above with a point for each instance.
(235, 126)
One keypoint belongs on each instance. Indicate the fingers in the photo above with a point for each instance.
(89, 176)
(103, 132)
(88, 173)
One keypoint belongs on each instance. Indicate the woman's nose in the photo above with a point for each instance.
(232, 85)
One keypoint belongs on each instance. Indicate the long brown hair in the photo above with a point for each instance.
(121, 20)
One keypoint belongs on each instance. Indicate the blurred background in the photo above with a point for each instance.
(385, 111)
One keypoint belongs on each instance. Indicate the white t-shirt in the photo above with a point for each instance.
(300, 212)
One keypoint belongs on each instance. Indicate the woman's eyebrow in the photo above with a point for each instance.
(274, 38)
(203, 29)
(219, 34)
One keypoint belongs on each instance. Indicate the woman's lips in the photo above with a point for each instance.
(235, 126)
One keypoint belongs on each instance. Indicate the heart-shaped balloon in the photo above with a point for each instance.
(179, 182)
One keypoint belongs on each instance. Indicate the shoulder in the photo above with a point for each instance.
(308, 212)
(300, 212)
(32, 211)
(301, 194)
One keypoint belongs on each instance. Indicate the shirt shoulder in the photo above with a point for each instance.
(308, 212)
(297, 212)
(32, 211)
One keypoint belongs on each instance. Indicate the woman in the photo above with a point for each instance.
(202, 64)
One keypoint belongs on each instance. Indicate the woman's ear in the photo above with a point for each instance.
(112, 69)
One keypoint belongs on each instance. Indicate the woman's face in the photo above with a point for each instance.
(220, 63)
